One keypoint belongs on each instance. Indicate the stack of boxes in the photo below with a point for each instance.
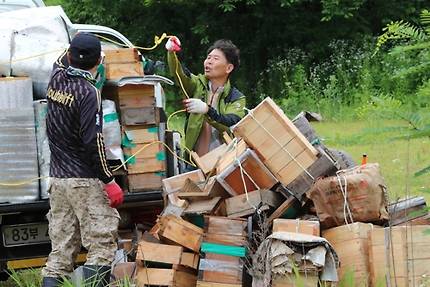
(142, 131)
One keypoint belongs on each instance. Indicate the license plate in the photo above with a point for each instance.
(25, 234)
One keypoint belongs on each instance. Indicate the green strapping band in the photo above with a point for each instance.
(236, 251)
(153, 130)
(131, 159)
(161, 155)
(126, 142)
(160, 173)
(110, 117)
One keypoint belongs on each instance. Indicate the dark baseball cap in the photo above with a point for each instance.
(84, 50)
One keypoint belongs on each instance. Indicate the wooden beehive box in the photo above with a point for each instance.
(123, 55)
(251, 173)
(351, 244)
(145, 165)
(280, 145)
(181, 232)
(146, 181)
(130, 95)
(139, 134)
(245, 204)
(296, 226)
(224, 230)
(220, 268)
(121, 63)
(399, 256)
(175, 183)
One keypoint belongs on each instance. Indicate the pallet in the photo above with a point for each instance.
(255, 175)
(280, 145)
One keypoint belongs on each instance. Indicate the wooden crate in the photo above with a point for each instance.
(255, 175)
(400, 256)
(122, 55)
(169, 254)
(322, 167)
(296, 226)
(201, 283)
(140, 116)
(241, 205)
(146, 181)
(131, 95)
(351, 244)
(226, 226)
(140, 134)
(145, 165)
(304, 280)
(221, 269)
(121, 70)
(180, 232)
(280, 145)
(175, 183)
(208, 161)
(205, 190)
(164, 277)
(146, 150)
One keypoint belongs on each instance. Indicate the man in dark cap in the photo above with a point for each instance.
(83, 192)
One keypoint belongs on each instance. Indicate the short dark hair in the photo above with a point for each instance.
(231, 52)
(84, 51)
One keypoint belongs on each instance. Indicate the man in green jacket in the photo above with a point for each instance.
(212, 103)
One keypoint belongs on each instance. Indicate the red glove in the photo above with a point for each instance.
(115, 194)
(173, 44)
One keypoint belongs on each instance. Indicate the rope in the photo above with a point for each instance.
(157, 42)
(242, 171)
(344, 192)
(31, 57)
(146, 146)
(250, 112)
(19, 183)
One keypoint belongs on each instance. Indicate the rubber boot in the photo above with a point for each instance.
(96, 276)
(51, 282)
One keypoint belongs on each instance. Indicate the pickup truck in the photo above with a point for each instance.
(24, 241)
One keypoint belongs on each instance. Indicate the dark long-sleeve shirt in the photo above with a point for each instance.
(74, 126)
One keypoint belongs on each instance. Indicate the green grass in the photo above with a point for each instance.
(398, 159)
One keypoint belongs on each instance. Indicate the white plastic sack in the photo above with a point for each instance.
(31, 41)
(111, 131)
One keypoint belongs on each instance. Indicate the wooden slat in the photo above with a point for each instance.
(231, 178)
(297, 226)
(139, 116)
(206, 190)
(201, 283)
(122, 55)
(146, 150)
(164, 277)
(226, 239)
(175, 183)
(146, 165)
(293, 169)
(156, 252)
(181, 232)
(139, 134)
(207, 162)
(225, 225)
(203, 206)
(283, 208)
(145, 181)
(121, 70)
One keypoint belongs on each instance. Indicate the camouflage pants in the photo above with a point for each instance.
(80, 215)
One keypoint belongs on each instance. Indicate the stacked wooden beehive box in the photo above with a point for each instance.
(140, 121)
